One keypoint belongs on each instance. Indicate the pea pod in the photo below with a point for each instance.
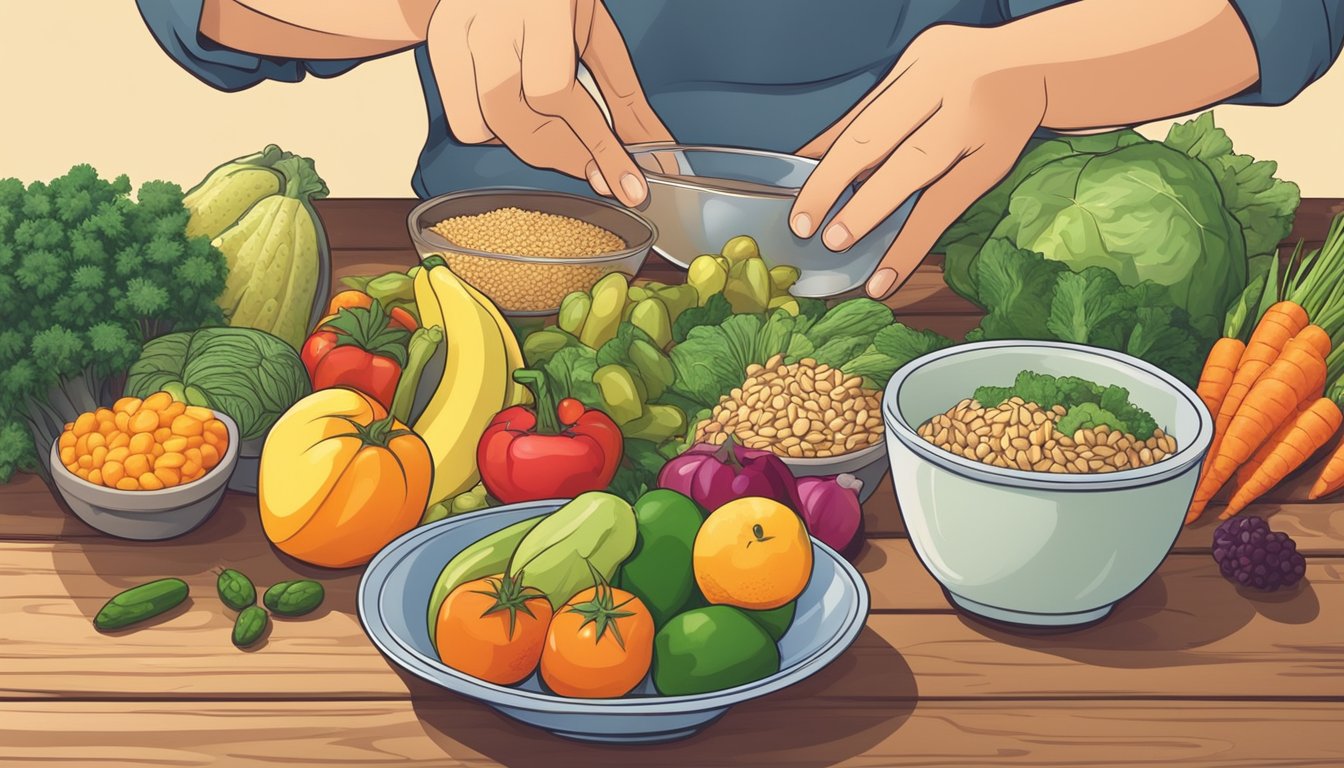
(250, 626)
(573, 311)
(782, 278)
(678, 298)
(294, 598)
(393, 286)
(741, 248)
(748, 287)
(787, 303)
(540, 346)
(658, 423)
(485, 557)
(235, 589)
(654, 367)
(609, 302)
(620, 397)
(139, 603)
(651, 316)
(707, 276)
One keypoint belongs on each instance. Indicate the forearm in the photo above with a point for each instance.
(316, 29)
(1106, 63)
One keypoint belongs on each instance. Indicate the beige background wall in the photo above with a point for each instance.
(85, 82)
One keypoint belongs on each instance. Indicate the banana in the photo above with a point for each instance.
(518, 394)
(475, 379)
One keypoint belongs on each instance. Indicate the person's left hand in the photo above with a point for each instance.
(950, 118)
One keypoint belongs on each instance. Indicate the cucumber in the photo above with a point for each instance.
(294, 598)
(139, 603)
(235, 589)
(486, 557)
(250, 626)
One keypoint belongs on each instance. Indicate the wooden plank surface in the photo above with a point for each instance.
(1161, 639)
(380, 223)
(452, 734)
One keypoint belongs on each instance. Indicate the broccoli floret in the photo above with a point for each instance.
(1088, 416)
(87, 275)
(1140, 423)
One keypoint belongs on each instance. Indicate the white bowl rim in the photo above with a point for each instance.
(418, 237)
(679, 180)
(224, 465)
(427, 668)
(1190, 452)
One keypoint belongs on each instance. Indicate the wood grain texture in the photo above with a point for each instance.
(453, 733)
(1161, 639)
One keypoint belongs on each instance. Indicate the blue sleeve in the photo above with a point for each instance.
(1295, 41)
(175, 24)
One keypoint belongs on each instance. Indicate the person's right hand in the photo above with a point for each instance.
(506, 70)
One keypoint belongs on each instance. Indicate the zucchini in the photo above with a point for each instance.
(140, 603)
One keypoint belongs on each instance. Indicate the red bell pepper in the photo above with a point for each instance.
(557, 451)
(359, 348)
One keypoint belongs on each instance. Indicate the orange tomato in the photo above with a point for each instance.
(493, 629)
(752, 553)
(599, 645)
(338, 479)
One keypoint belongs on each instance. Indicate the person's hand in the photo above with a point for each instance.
(506, 70)
(948, 119)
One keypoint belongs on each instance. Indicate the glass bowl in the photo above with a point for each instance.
(531, 285)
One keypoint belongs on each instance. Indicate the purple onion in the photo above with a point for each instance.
(714, 475)
(830, 507)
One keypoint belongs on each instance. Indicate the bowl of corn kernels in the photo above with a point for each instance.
(819, 421)
(527, 249)
(146, 469)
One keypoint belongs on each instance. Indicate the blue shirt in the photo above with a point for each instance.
(769, 74)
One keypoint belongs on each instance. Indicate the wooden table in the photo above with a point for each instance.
(1189, 670)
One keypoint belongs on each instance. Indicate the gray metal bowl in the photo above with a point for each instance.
(867, 464)
(394, 594)
(1037, 548)
(701, 197)
(147, 515)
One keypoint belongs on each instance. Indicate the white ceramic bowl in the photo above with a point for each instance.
(147, 515)
(1030, 547)
(701, 197)
(866, 464)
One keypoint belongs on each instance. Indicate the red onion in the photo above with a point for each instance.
(714, 475)
(830, 507)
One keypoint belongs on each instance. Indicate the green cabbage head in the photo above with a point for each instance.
(248, 374)
(1144, 211)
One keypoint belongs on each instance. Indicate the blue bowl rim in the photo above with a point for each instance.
(1187, 454)
(374, 577)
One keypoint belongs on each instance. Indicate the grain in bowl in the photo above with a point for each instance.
(527, 249)
(1076, 430)
(800, 410)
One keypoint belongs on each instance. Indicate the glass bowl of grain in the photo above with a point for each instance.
(526, 248)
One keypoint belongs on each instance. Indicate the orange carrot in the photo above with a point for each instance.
(1331, 478)
(1268, 404)
(1281, 322)
(1311, 430)
(1245, 471)
(1219, 369)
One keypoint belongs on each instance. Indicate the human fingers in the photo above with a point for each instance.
(821, 143)
(939, 205)
(608, 60)
(450, 61)
(864, 143)
(919, 160)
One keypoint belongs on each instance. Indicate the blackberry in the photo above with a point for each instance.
(1251, 555)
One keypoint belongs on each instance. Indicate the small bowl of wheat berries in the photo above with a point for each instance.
(527, 249)
(1042, 482)
(818, 420)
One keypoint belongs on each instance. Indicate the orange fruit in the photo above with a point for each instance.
(752, 553)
